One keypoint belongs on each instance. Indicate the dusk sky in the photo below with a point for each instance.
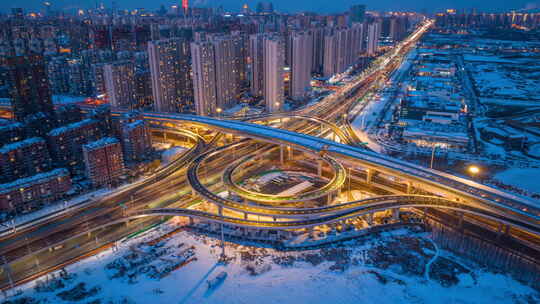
(296, 5)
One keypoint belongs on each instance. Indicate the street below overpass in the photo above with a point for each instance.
(30, 252)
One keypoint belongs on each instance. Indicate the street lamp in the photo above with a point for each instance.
(473, 170)
(218, 110)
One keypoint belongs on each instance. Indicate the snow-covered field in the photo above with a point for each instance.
(525, 178)
(172, 153)
(389, 268)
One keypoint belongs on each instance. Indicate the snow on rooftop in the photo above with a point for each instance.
(492, 59)
(134, 124)
(64, 129)
(8, 126)
(101, 143)
(31, 180)
(64, 99)
(21, 144)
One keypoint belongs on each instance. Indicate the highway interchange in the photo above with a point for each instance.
(219, 147)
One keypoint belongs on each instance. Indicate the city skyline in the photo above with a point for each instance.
(189, 154)
(318, 6)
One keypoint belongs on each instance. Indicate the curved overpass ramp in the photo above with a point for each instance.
(466, 189)
(381, 204)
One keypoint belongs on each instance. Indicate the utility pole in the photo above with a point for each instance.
(432, 156)
(350, 194)
(222, 243)
(8, 272)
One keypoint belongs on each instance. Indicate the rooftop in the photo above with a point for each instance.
(100, 143)
(21, 144)
(73, 126)
(31, 180)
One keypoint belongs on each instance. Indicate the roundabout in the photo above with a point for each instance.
(330, 187)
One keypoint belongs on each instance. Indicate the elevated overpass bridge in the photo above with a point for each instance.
(453, 188)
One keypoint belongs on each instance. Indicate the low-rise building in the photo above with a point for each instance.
(24, 158)
(504, 137)
(66, 142)
(421, 105)
(11, 132)
(30, 192)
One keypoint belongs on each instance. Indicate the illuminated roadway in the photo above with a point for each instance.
(462, 188)
(460, 194)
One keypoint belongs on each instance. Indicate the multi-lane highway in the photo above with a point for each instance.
(36, 249)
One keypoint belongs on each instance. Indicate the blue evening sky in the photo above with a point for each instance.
(321, 6)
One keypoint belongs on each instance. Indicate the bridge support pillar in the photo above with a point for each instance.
(245, 215)
(164, 136)
(369, 219)
(333, 136)
(395, 214)
(191, 221)
(281, 154)
(409, 187)
(329, 198)
(369, 175)
(319, 167)
(291, 153)
(220, 210)
(502, 229)
(349, 192)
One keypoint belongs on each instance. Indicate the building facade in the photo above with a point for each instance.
(301, 63)
(66, 143)
(30, 192)
(104, 161)
(373, 34)
(120, 84)
(274, 61)
(136, 140)
(24, 158)
(216, 78)
(256, 52)
(171, 75)
(30, 92)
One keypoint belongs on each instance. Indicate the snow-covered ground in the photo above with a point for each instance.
(172, 153)
(371, 107)
(389, 268)
(524, 178)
